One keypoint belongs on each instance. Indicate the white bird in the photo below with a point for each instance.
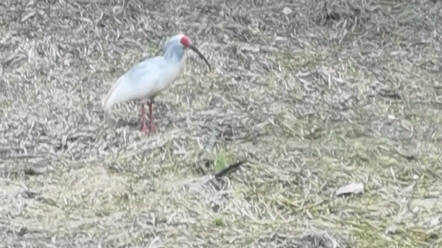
(148, 78)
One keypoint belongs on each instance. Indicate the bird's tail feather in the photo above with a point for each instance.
(108, 101)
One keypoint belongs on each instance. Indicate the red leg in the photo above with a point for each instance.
(151, 125)
(144, 127)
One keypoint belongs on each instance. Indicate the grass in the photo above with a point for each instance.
(222, 160)
(349, 92)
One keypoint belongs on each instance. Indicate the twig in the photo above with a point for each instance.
(229, 168)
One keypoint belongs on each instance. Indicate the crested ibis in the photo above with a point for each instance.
(147, 79)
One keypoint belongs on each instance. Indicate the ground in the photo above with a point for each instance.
(310, 96)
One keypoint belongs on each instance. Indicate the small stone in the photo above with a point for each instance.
(391, 229)
(287, 11)
(435, 221)
(38, 169)
(354, 188)
(250, 48)
(280, 39)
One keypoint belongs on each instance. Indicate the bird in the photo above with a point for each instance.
(145, 80)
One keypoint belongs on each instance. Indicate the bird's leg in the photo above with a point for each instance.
(151, 125)
(144, 127)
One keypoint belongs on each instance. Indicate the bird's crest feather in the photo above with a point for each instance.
(171, 40)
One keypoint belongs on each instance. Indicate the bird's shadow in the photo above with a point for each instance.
(133, 123)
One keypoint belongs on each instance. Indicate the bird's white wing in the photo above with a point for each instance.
(137, 84)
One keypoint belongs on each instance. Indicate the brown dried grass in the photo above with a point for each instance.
(326, 95)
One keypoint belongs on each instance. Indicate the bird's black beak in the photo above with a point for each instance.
(200, 54)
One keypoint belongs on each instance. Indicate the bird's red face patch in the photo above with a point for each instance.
(185, 41)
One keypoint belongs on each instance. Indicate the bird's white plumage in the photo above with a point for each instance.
(147, 79)
(144, 80)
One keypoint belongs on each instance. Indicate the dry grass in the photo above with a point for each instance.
(314, 99)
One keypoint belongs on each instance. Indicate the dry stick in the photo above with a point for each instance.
(229, 168)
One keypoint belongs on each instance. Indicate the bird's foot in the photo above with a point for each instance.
(148, 129)
(152, 128)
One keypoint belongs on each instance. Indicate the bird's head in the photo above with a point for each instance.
(184, 41)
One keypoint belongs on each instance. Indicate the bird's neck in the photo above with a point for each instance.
(174, 54)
